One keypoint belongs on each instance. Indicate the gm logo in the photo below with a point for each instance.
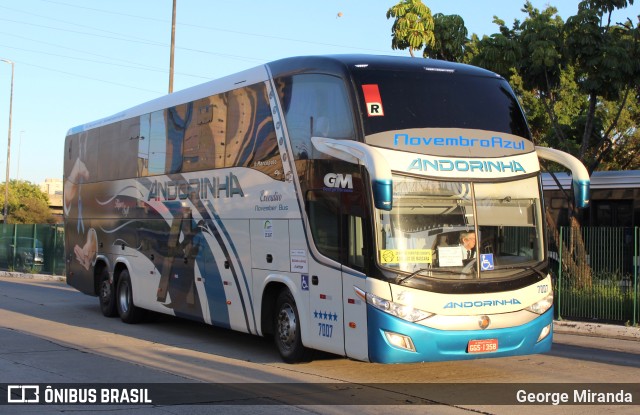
(335, 182)
(23, 394)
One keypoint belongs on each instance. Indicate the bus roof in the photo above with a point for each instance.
(619, 179)
(338, 64)
(248, 77)
(341, 63)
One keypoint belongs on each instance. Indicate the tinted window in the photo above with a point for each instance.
(440, 100)
(157, 143)
(315, 105)
(232, 129)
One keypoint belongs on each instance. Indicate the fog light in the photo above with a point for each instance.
(544, 332)
(400, 341)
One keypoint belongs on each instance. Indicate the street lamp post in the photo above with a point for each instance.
(6, 183)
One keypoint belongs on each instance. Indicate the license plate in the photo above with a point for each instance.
(483, 346)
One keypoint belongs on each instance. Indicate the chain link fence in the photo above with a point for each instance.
(37, 249)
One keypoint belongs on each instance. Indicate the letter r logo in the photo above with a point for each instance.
(374, 109)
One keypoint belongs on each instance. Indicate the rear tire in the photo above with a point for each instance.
(107, 295)
(127, 310)
(287, 330)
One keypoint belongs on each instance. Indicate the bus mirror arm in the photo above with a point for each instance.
(356, 153)
(581, 180)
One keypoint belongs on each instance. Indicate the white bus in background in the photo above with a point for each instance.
(321, 201)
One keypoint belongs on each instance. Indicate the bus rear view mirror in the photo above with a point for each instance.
(357, 153)
(581, 180)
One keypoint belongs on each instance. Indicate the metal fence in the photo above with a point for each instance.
(597, 274)
(37, 249)
(595, 268)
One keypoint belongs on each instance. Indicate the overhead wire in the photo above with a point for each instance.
(237, 32)
(108, 34)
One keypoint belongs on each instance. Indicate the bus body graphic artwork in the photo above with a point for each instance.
(381, 208)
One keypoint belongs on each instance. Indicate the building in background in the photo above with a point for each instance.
(53, 188)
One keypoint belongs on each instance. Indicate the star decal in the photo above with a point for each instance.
(324, 315)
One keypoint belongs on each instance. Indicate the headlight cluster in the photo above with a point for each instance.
(403, 311)
(542, 306)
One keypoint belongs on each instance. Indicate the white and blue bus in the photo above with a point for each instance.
(382, 208)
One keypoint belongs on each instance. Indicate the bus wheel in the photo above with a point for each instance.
(287, 330)
(107, 295)
(129, 313)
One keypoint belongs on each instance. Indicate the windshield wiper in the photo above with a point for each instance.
(413, 274)
(434, 271)
(523, 268)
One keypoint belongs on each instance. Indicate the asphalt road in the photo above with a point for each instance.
(51, 334)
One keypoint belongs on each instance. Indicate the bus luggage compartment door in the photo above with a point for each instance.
(270, 244)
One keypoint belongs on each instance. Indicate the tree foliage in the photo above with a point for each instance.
(413, 26)
(450, 38)
(26, 203)
(578, 80)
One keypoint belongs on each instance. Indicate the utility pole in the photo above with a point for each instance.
(173, 46)
(6, 183)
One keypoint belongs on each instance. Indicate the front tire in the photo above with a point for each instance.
(107, 295)
(287, 330)
(127, 310)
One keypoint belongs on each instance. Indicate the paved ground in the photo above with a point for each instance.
(564, 326)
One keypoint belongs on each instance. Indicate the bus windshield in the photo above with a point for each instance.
(461, 229)
(436, 99)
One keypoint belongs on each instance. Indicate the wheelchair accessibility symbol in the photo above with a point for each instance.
(304, 282)
(486, 262)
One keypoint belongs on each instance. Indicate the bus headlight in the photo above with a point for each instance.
(542, 306)
(403, 311)
(400, 340)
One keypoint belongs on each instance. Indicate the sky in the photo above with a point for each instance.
(76, 61)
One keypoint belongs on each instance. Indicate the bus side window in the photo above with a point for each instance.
(318, 106)
(356, 242)
(143, 145)
(108, 149)
(266, 155)
(157, 143)
(240, 113)
(323, 210)
(178, 119)
(251, 138)
(127, 148)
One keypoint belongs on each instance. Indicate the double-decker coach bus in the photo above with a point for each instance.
(382, 208)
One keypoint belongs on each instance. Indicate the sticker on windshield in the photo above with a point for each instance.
(486, 262)
(373, 100)
(396, 256)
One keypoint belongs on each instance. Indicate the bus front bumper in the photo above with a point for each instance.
(432, 345)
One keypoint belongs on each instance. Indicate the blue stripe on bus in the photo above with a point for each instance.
(232, 267)
(213, 285)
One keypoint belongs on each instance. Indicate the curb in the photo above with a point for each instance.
(28, 276)
(596, 329)
(559, 326)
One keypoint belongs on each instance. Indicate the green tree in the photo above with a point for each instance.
(26, 203)
(450, 38)
(413, 26)
(577, 80)
(605, 56)
(499, 52)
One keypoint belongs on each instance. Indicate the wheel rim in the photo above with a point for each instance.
(287, 326)
(124, 296)
(105, 291)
